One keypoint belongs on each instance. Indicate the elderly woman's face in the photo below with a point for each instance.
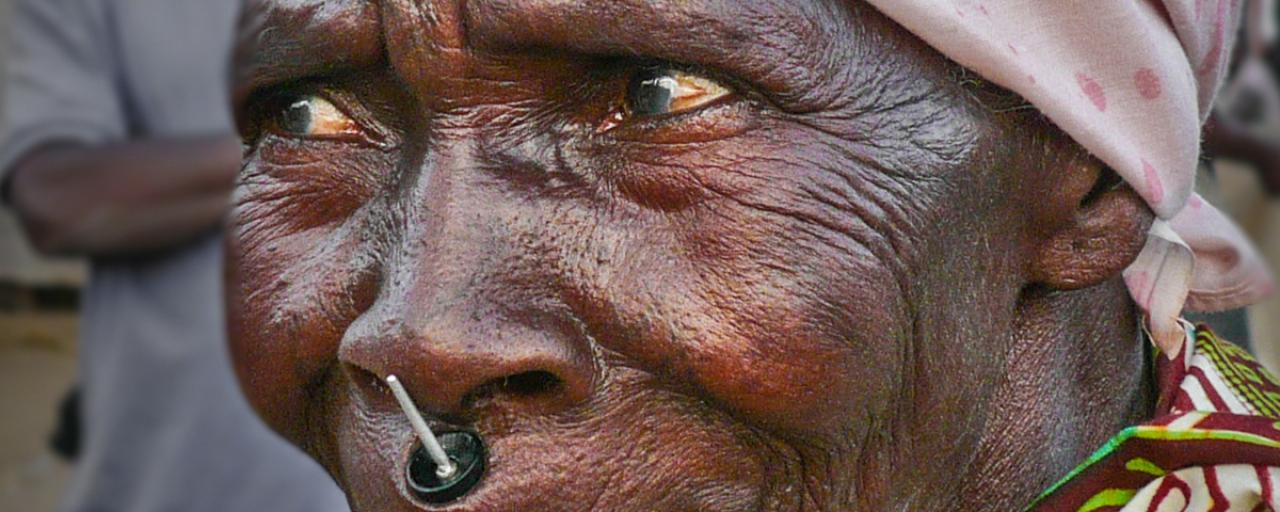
(707, 255)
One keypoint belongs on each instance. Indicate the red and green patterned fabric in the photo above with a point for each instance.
(1214, 445)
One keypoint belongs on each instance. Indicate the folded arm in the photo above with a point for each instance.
(123, 198)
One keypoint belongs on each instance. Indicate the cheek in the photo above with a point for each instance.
(806, 332)
(294, 285)
(779, 301)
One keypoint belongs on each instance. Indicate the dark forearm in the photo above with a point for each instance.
(126, 198)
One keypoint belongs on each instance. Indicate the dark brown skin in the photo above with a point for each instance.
(123, 199)
(855, 283)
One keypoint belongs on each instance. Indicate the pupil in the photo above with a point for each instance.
(297, 118)
(652, 92)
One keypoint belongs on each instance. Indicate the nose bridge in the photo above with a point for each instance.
(432, 31)
(443, 227)
(447, 320)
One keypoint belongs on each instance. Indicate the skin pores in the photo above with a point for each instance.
(711, 255)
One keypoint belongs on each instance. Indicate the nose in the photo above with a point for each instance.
(455, 363)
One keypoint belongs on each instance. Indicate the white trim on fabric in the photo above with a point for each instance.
(1225, 392)
(1199, 400)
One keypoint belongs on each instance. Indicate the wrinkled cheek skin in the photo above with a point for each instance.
(742, 375)
(291, 294)
(744, 397)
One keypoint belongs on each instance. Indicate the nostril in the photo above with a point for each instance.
(530, 384)
(366, 380)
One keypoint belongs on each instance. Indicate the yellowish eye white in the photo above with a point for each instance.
(312, 116)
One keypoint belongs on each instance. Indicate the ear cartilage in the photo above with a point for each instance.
(445, 468)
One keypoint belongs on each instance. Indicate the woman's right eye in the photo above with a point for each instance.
(312, 117)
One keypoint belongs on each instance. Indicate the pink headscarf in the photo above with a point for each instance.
(1132, 82)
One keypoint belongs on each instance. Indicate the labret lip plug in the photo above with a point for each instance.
(445, 468)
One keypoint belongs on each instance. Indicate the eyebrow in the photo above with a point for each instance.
(783, 48)
(282, 41)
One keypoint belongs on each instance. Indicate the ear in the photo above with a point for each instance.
(1095, 240)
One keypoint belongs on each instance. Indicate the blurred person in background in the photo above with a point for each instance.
(117, 146)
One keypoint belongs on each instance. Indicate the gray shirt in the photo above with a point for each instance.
(167, 428)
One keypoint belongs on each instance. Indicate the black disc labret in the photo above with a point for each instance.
(466, 452)
(444, 468)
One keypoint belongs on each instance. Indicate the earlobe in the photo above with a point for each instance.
(1102, 238)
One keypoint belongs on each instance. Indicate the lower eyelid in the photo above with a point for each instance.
(353, 141)
(284, 150)
(293, 158)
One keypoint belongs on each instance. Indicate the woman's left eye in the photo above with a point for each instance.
(310, 116)
(659, 91)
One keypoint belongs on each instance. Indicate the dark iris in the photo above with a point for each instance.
(651, 91)
(296, 118)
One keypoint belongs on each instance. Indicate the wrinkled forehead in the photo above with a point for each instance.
(776, 42)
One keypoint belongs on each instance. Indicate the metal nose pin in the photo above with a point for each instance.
(443, 468)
